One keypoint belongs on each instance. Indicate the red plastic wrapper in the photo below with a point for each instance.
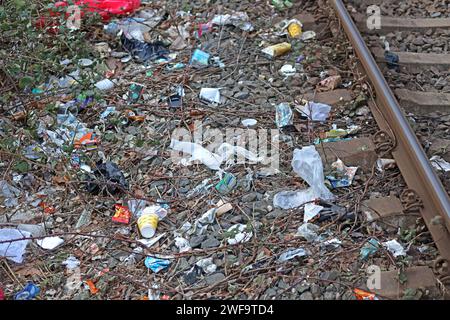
(122, 214)
(2, 295)
(105, 8)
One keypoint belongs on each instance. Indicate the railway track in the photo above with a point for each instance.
(425, 193)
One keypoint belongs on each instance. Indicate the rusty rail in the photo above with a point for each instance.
(426, 193)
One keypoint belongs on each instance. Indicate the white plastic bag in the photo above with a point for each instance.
(210, 159)
(13, 250)
(315, 111)
(307, 164)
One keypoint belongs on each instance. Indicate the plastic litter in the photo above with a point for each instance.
(148, 221)
(315, 111)
(212, 160)
(284, 115)
(249, 122)
(210, 95)
(13, 250)
(238, 19)
(440, 164)
(144, 51)
(332, 244)
(226, 184)
(307, 164)
(383, 164)
(182, 244)
(156, 264)
(287, 70)
(308, 231)
(239, 233)
(207, 265)
(28, 293)
(277, 49)
(71, 262)
(291, 254)
(104, 85)
(395, 248)
(107, 112)
(308, 35)
(50, 243)
(199, 59)
(341, 176)
(136, 206)
(311, 211)
(2, 294)
(121, 215)
(107, 173)
(370, 248)
(392, 60)
(364, 295)
(105, 8)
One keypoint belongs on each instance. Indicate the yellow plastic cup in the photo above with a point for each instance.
(147, 224)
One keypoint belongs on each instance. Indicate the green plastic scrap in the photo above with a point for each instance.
(370, 248)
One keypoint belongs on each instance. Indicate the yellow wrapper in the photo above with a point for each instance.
(294, 30)
(277, 49)
(147, 224)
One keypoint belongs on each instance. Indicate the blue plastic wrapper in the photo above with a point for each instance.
(199, 58)
(29, 292)
(284, 115)
(156, 264)
(370, 248)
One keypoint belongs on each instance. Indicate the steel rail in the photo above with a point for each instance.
(410, 157)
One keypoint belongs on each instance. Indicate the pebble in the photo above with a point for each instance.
(214, 278)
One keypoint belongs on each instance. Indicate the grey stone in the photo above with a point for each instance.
(316, 290)
(249, 197)
(210, 243)
(306, 296)
(195, 241)
(214, 278)
(330, 275)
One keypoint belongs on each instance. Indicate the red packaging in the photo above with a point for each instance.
(122, 214)
(2, 295)
(105, 8)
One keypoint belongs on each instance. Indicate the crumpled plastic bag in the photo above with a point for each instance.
(308, 231)
(308, 165)
(13, 250)
(238, 19)
(108, 174)
(291, 254)
(144, 51)
(315, 111)
(210, 159)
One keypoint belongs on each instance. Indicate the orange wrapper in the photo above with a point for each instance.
(47, 209)
(92, 286)
(87, 139)
(364, 295)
